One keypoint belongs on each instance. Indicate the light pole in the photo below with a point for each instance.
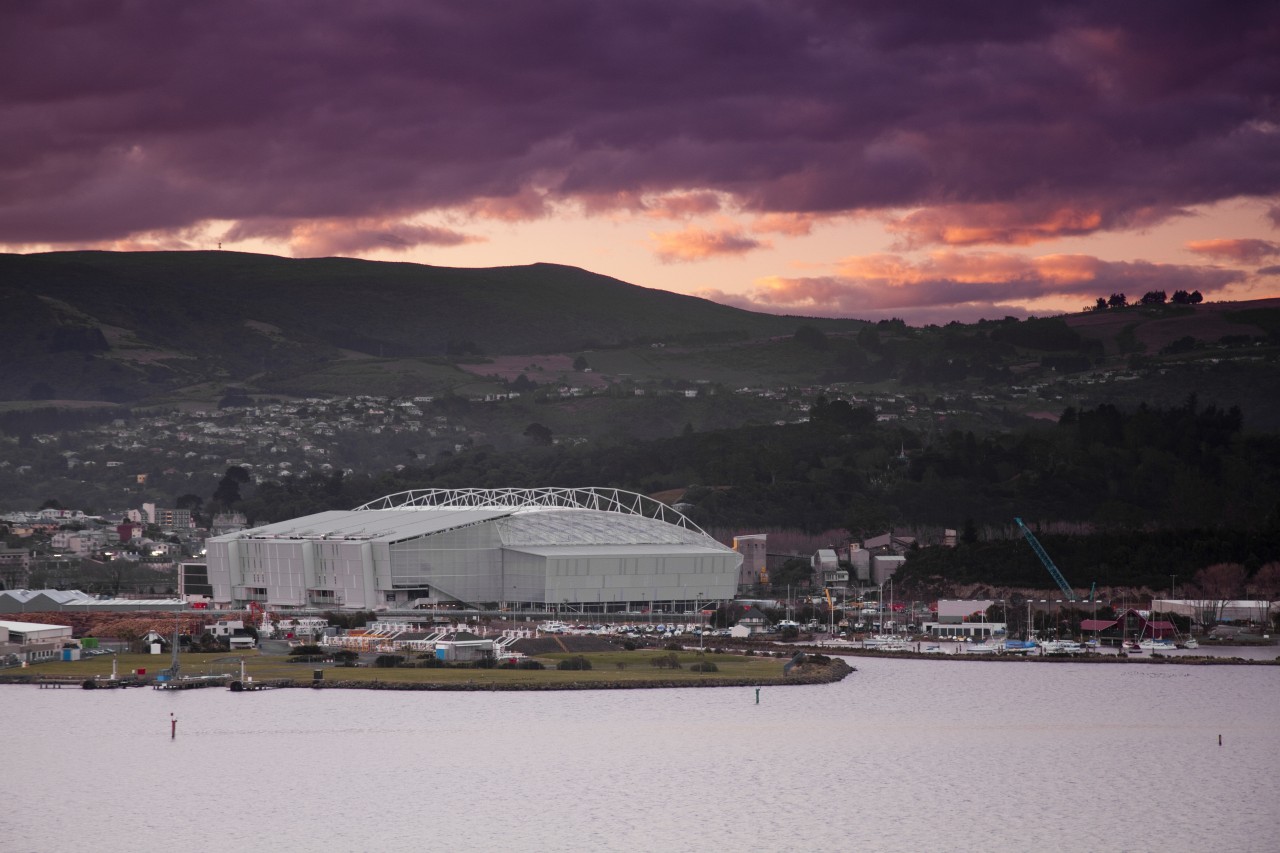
(701, 628)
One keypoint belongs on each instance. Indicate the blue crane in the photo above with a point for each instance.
(1048, 563)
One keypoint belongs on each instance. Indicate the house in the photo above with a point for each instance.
(826, 569)
(1129, 625)
(752, 622)
(464, 647)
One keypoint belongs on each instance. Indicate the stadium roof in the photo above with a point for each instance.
(530, 518)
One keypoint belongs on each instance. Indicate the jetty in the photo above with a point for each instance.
(192, 682)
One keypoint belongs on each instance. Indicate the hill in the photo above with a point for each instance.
(129, 326)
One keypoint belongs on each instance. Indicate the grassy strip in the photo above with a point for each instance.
(614, 669)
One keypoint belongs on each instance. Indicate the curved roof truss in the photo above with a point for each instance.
(591, 497)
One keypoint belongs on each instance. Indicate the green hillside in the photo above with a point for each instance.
(124, 326)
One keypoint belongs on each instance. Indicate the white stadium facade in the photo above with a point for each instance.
(587, 549)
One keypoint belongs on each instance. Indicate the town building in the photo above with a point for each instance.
(754, 569)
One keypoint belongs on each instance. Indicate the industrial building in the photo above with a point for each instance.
(587, 549)
(32, 642)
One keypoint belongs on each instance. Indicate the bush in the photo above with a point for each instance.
(527, 663)
(667, 661)
(674, 647)
(704, 666)
(388, 661)
(346, 657)
(629, 646)
(307, 649)
(575, 662)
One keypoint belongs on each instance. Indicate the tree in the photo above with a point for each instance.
(1117, 300)
(538, 434)
(580, 363)
(812, 337)
(1216, 585)
(1100, 305)
(1154, 297)
(191, 502)
(228, 491)
(1195, 297)
(794, 573)
(1264, 587)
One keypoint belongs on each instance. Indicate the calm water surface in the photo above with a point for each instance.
(906, 755)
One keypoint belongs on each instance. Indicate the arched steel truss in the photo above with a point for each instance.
(592, 497)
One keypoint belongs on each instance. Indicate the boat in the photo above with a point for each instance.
(884, 643)
(1161, 646)
(1017, 647)
(982, 649)
(1190, 643)
(933, 650)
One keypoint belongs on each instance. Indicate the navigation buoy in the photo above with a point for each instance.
(757, 695)
(1219, 740)
(173, 726)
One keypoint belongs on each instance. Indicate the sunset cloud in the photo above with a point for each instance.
(1006, 126)
(313, 238)
(1236, 251)
(956, 284)
(698, 244)
(365, 128)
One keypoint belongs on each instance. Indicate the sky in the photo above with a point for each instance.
(932, 161)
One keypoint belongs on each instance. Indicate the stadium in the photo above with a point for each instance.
(585, 549)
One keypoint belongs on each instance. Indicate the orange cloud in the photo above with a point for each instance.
(970, 268)
(1007, 224)
(523, 206)
(787, 224)
(698, 244)
(1236, 251)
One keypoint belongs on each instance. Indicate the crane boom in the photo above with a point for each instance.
(1048, 563)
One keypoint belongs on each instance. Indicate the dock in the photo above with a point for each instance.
(192, 682)
(247, 686)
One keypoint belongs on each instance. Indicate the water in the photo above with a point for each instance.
(904, 755)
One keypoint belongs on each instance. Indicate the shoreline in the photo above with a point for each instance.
(810, 674)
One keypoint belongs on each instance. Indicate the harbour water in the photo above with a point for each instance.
(903, 755)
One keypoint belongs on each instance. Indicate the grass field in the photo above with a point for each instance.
(606, 667)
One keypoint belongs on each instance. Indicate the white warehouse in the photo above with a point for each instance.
(590, 548)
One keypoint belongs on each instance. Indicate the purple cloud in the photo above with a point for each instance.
(1028, 120)
(956, 286)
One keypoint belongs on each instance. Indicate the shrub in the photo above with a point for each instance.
(575, 662)
(388, 661)
(667, 661)
(704, 666)
(306, 649)
(345, 657)
(629, 646)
